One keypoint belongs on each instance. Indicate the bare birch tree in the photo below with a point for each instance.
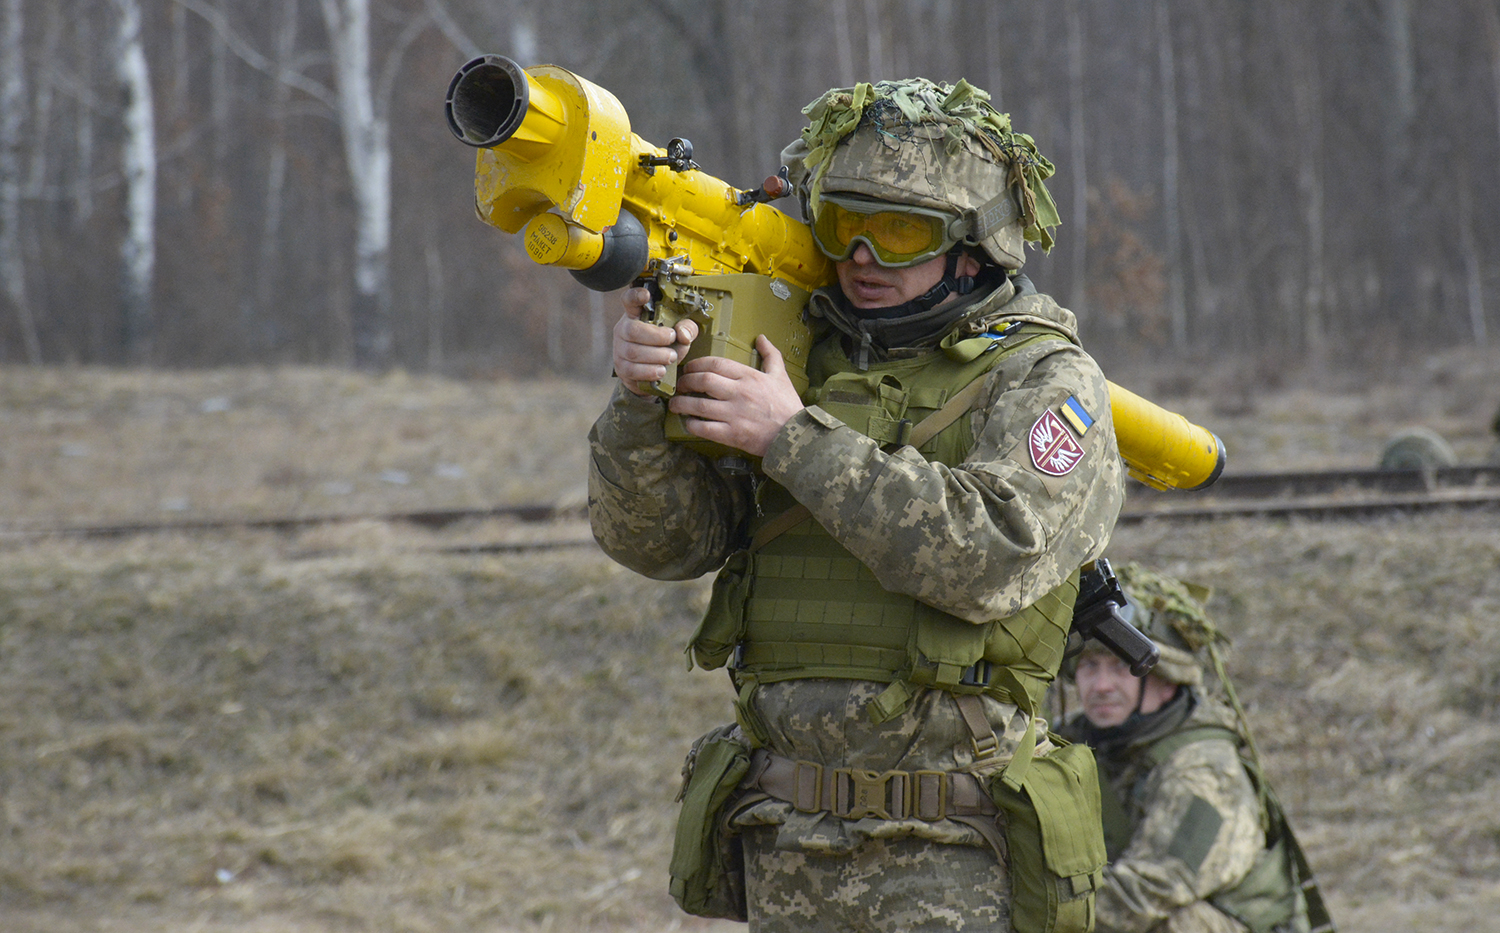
(367, 154)
(138, 166)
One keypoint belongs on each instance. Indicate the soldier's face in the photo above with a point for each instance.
(1110, 693)
(869, 285)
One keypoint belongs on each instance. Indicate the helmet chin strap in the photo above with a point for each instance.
(950, 284)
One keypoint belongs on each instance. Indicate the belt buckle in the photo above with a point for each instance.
(882, 794)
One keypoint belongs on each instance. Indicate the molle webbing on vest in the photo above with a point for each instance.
(816, 611)
(812, 609)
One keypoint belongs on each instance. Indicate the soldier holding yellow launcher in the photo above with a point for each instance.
(895, 581)
(894, 595)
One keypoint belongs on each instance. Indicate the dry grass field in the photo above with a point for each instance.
(361, 726)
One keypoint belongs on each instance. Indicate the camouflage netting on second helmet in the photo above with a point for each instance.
(1172, 613)
(932, 145)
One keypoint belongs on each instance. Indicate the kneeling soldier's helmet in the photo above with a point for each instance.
(942, 152)
(1172, 613)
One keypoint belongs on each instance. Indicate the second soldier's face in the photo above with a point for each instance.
(1110, 693)
(1106, 688)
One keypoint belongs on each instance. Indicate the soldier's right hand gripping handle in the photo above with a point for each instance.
(1097, 614)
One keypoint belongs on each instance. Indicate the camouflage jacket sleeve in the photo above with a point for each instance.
(659, 508)
(988, 537)
(1199, 834)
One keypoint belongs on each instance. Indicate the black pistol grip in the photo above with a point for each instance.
(1127, 642)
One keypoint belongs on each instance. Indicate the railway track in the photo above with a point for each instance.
(1322, 494)
(1316, 494)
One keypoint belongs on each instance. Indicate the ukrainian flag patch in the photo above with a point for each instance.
(1077, 415)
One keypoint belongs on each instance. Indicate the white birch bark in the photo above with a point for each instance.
(138, 165)
(12, 120)
(367, 154)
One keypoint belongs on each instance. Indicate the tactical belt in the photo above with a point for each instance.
(853, 794)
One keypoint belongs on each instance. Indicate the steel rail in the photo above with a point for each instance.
(1317, 507)
(429, 518)
(1308, 493)
(1319, 482)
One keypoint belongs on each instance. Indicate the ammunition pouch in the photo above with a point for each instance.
(723, 623)
(708, 868)
(1051, 813)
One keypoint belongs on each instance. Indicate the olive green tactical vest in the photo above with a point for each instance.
(809, 608)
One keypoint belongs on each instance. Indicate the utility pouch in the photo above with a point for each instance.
(708, 865)
(1267, 897)
(723, 622)
(1052, 817)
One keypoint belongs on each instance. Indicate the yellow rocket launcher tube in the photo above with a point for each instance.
(557, 163)
(1161, 448)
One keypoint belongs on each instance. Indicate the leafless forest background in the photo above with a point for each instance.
(190, 183)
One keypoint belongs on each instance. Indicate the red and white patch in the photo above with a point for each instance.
(1053, 450)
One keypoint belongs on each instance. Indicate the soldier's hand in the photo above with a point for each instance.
(735, 404)
(642, 350)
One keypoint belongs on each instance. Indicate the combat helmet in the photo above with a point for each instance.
(928, 145)
(1172, 613)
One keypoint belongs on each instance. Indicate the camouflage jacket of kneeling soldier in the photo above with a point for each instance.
(979, 533)
(1187, 825)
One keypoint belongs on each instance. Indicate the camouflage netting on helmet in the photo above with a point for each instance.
(1172, 613)
(946, 145)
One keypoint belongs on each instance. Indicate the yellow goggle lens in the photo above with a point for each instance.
(896, 237)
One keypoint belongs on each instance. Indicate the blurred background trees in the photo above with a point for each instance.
(207, 182)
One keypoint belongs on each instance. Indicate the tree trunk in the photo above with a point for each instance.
(276, 168)
(1078, 274)
(12, 118)
(435, 300)
(138, 249)
(367, 153)
(1171, 203)
(874, 43)
(1401, 175)
(1473, 264)
(844, 51)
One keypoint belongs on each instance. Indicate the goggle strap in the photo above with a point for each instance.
(994, 215)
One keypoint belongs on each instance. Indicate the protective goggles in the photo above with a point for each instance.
(898, 235)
